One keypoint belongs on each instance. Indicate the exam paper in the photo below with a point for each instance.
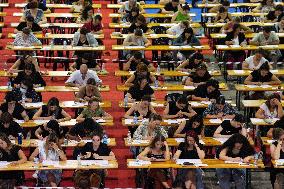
(221, 140)
(139, 163)
(33, 104)
(194, 161)
(215, 121)
(188, 87)
(50, 162)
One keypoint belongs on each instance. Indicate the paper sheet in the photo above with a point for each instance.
(33, 104)
(270, 141)
(19, 121)
(101, 163)
(194, 161)
(49, 163)
(100, 121)
(221, 140)
(179, 140)
(134, 47)
(139, 163)
(128, 121)
(171, 121)
(3, 87)
(195, 104)
(40, 122)
(279, 162)
(239, 71)
(175, 47)
(3, 164)
(206, 102)
(215, 121)
(252, 86)
(39, 88)
(188, 87)
(140, 142)
(266, 86)
(235, 46)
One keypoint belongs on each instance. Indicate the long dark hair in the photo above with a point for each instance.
(272, 96)
(190, 31)
(28, 82)
(54, 126)
(156, 139)
(6, 139)
(85, 11)
(196, 118)
(194, 136)
(53, 102)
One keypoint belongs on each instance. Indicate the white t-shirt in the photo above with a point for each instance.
(251, 65)
(267, 112)
(176, 30)
(76, 77)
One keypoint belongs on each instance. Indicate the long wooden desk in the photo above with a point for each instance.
(234, 14)
(263, 122)
(149, 36)
(146, 6)
(62, 25)
(173, 87)
(104, 88)
(57, 6)
(52, 15)
(151, 24)
(232, 5)
(155, 15)
(56, 36)
(66, 104)
(160, 48)
(248, 35)
(54, 48)
(207, 163)
(66, 165)
(2, 5)
(121, 73)
(33, 143)
(255, 103)
(244, 73)
(72, 122)
(247, 47)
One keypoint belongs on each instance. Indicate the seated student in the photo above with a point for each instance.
(142, 109)
(272, 108)
(220, 109)
(80, 77)
(277, 152)
(128, 5)
(135, 39)
(225, 4)
(279, 26)
(191, 63)
(20, 63)
(89, 91)
(149, 129)
(86, 15)
(265, 6)
(136, 59)
(158, 150)
(255, 61)
(223, 16)
(235, 37)
(51, 127)
(230, 127)
(171, 7)
(84, 38)
(51, 150)
(275, 15)
(195, 123)
(228, 27)
(189, 149)
(182, 14)
(9, 126)
(238, 149)
(207, 91)
(139, 89)
(30, 73)
(25, 92)
(96, 150)
(35, 12)
(26, 38)
(94, 111)
(131, 17)
(178, 109)
(29, 23)
(267, 37)
(141, 24)
(178, 29)
(87, 58)
(52, 111)
(142, 71)
(279, 124)
(95, 25)
(186, 38)
(15, 156)
(83, 130)
(78, 6)
(41, 6)
(13, 107)
(262, 76)
(199, 77)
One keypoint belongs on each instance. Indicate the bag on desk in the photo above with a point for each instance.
(86, 178)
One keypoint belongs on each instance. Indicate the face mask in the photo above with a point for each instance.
(23, 90)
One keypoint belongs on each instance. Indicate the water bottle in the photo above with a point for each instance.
(52, 43)
(255, 159)
(129, 137)
(36, 162)
(5, 66)
(135, 119)
(9, 85)
(79, 159)
(125, 101)
(20, 138)
(105, 139)
(156, 84)
(65, 141)
(261, 16)
(64, 44)
(103, 66)
(28, 136)
(158, 70)
(24, 97)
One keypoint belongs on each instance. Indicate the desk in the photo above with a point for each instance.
(62, 25)
(173, 87)
(121, 73)
(155, 15)
(263, 122)
(245, 73)
(52, 15)
(55, 36)
(146, 6)
(55, 48)
(160, 48)
(149, 36)
(248, 35)
(66, 104)
(57, 6)
(72, 122)
(66, 165)
(247, 47)
(151, 24)
(165, 122)
(105, 88)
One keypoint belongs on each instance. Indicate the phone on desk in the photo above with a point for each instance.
(187, 163)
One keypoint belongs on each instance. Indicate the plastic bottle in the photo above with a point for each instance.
(64, 44)
(103, 66)
(105, 139)
(255, 159)
(129, 137)
(79, 159)
(9, 84)
(158, 69)
(156, 84)
(20, 138)
(5, 66)
(28, 136)
(125, 100)
(135, 119)
(52, 43)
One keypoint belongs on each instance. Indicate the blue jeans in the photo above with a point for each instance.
(224, 178)
(182, 178)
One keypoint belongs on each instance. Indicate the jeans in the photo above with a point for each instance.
(224, 178)
(199, 183)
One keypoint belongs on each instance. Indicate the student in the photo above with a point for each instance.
(178, 29)
(195, 124)
(29, 23)
(149, 129)
(93, 111)
(128, 5)
(279, 124)
(140, 23)
(84, 38)
(131, 17)
(265, 6)
(275, 15)
(52, 111)
(277, 152)
(189, 149)
(86, 58)
(171, 7)
(89, 91)
(255, 61)
(51, 127)
(230, 127)
(9, 127)
(272, 108)
(220, 109)
(25, 92)
(50, 150)
(35, 12)
(199, 77)
(20, 63)
(228, 27)
(158, 150)
(207, 91)
(86, 15)
(182, 14)
(279, 26)
(26, 38)
(223, 16)
(178, 109)
(15, 156)
(134, 60)
(142, 109)
(191, 63)
(238, 149)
